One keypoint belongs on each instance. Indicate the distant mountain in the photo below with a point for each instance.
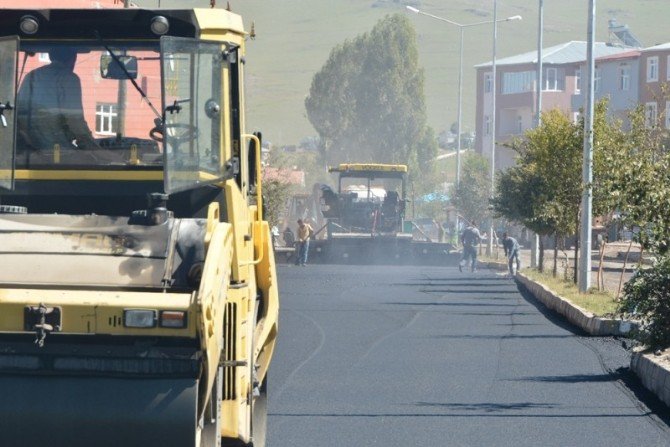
(295, 38)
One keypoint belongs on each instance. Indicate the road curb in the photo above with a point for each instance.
(654, 376)
(581, 318)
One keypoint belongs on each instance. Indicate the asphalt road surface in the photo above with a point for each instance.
(427, 356)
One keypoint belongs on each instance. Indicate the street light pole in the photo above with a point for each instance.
(584, 277)
(535, 244)
(460, 112)
(493, 117)
(460, 74)
(538, 107)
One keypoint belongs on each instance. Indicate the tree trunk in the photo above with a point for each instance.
(554, 271)
(601, 274)
(574, 277)
(623, 269)
(540, 266)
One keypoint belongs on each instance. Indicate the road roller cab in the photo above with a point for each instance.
(138, 295)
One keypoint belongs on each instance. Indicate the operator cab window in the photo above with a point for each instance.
(77, 107)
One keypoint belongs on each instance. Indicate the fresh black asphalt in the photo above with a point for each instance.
(427, 356)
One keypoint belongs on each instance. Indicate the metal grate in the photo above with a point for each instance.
(229, 334)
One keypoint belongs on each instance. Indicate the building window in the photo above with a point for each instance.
(106, 119)
(551, 80)
(488, 82)
(487, 125)
(518, 82)
(596, 80)
(578, 81)
(624, 78)
(651, 114)
(652, 69)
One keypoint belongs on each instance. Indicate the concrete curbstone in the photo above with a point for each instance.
(654, 375)
(574, 314)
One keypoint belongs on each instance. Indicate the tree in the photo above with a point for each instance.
(275, 197)
(521, 193)
(636, 178)
(367, 102)
(471, 196)
(543, 191)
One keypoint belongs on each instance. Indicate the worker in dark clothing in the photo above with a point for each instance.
(470, 238)
(511, 247)
(50, 110)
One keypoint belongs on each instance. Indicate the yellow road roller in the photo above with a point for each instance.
(138, 290)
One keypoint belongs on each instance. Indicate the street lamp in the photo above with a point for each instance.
(460, 74)
(462, 27)
(584, 276)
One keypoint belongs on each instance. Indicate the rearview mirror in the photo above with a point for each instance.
(123, 67)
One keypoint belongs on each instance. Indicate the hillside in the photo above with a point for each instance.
(296, 36)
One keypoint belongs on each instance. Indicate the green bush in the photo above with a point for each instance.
(647, 299)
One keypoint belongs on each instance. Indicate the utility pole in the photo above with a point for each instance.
(535, 243)
(493, 118)
(584, 278)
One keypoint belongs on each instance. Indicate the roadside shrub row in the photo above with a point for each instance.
(647, 300)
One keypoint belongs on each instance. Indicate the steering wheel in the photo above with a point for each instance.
(179, 132)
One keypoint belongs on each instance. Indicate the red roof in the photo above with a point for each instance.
(620, 56)
(291, 176)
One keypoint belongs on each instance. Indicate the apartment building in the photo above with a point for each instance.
(516, 79)
(654, 70)
(617, 78)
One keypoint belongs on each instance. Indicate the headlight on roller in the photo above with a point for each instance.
(141, 318)
(173, 319)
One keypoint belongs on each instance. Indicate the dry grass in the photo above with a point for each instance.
(600, 303)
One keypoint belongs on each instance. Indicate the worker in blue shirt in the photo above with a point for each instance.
(511, 247)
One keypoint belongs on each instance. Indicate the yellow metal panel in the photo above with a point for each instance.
(236, 412)
(266, 331)
(96, 312)
(212, 298)
(134, 175)
(240, 216)
(219, 24)
(363, 167)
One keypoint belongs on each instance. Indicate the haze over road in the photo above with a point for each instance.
(426, 356)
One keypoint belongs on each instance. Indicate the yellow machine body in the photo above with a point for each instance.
(138, 291)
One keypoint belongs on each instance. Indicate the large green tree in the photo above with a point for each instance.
(636, 180)
(367, 102)
(471, 196)
(543, 190)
